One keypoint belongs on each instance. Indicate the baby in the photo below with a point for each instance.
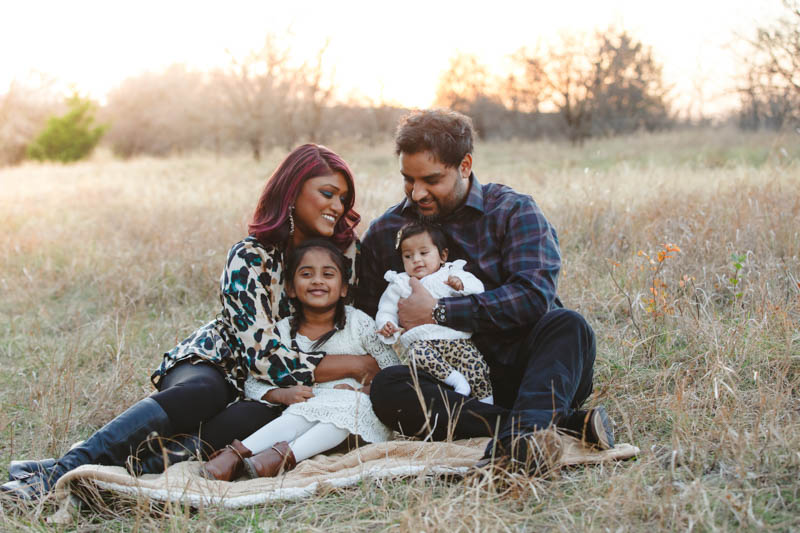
(447, 354)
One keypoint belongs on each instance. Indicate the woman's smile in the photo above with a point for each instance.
(319, 206)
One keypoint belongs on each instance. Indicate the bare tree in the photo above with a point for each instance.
(24, 109)
(317, 95)
(465, 80)
(160, 113)
(259, 93)
(566, 77)
(632, 94)
(468, 87)
(770, 91)
(607, 85)
(260, 100)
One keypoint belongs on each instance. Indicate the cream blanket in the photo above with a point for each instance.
(181, 482)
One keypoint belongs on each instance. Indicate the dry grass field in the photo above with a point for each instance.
(106, 264)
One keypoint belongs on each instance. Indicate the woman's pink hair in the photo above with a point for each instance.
(270, 223)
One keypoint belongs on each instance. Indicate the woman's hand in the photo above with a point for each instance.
(289, 395)
(362, 368)
(345, 386)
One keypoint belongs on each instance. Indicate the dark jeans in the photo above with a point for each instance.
(552, 377)
(196, 398)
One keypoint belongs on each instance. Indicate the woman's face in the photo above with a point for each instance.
(319, 206)
(317, 282)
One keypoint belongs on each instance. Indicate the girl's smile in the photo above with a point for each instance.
(317, 283)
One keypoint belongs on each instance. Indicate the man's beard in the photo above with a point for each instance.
(445, 206)
(429, 219)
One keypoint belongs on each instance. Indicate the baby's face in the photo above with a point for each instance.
(420, 256)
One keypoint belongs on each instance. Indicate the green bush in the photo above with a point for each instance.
(70, 137)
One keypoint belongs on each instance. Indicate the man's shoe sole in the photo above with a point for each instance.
(21, 469)
(602, 428)
(30, 488)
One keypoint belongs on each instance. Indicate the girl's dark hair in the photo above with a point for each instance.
(417, 228)
(270, 222)
(296, 256)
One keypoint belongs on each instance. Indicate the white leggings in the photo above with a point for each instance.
(306, 439)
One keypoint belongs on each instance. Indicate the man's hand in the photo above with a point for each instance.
(417, 309)
(455, 283)
(366, 370)
(388, 330)
(289, 395)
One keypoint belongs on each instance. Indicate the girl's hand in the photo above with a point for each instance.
(388, 329)
(455, 283)
(289, 395)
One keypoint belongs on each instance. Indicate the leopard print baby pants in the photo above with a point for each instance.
(441, 356)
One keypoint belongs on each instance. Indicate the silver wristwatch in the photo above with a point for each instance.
(440, 314)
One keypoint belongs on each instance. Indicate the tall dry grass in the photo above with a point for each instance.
(104, 265)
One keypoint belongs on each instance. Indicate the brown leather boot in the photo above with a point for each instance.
(226, 464)
(271, 461)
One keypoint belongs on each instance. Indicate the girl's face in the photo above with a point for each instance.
(317, 282)
(420, 256)
(319, 206)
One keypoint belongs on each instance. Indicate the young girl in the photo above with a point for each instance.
(447, 354)
(318, 418)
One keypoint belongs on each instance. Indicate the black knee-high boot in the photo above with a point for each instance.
(158, 454)
(110, 445)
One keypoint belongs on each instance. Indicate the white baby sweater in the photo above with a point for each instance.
(436, 284)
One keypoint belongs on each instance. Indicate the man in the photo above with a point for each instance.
(541, 355)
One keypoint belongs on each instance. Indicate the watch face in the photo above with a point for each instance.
(439, 313)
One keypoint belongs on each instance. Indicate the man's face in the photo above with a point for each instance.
(434, 189)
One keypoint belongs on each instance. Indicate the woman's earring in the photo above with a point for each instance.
(291, 221)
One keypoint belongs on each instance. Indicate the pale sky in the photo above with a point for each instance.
(397, 50)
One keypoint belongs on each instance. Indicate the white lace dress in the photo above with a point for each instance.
(350, 410)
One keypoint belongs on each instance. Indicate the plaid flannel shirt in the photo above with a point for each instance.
(507, 244)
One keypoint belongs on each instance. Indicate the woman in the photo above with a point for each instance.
(311, 194)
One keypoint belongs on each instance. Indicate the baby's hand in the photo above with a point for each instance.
(455, 283)
(388, 329)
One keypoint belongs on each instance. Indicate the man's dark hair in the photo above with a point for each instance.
(446, 133)
(438, 237)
